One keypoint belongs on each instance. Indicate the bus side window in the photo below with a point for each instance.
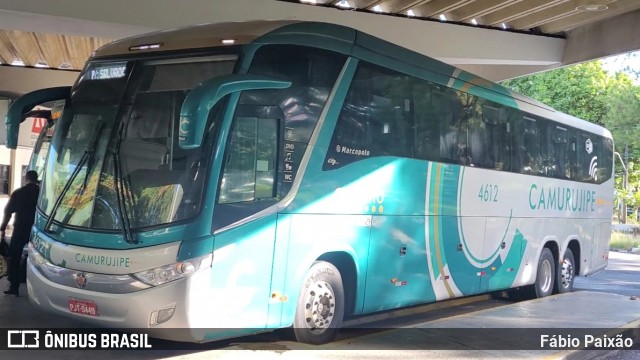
(501, 138)
(490, 138)
(480, 124)
(426, 142)
(595, 158)
(375, 119)
(449, 110)
(529, 146)
(585, 156)
(559, 152)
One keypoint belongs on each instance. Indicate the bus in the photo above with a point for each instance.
(236, 178)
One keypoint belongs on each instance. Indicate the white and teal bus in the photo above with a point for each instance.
(242, 177)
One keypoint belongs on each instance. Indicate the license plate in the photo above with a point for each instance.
(84, 307)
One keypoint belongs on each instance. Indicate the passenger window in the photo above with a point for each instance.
(605, 159)
(312, 73)
(530, 149)
(559, 152)
(450, 109)
(375, 119)
(489, 138)
(585, 154)
(426, 137)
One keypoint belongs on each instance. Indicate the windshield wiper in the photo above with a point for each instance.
(91, 159)
(120, 188)
(87, 157)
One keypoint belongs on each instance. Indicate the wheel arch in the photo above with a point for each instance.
(346, 265)
(574, 246)
(552, 245)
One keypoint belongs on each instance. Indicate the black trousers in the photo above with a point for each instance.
(15, 272)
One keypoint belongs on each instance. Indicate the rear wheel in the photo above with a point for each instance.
(546, 275)
(320, 306)
(566, 273)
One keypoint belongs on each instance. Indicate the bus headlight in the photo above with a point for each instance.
(36, 258)
(167, 273)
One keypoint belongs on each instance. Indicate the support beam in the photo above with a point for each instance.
(608, 37)
(451, 43)
(616, 8)
(504, 72)
(22, 80)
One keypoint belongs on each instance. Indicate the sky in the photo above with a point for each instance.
(628, 62)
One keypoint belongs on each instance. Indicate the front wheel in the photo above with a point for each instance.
(566, 273)
(320, 306)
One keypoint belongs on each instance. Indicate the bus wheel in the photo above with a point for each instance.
(320, 305)
(546, 274)
(566, 273)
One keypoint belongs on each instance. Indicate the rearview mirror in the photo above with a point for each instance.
(199, 102)
(19, 109)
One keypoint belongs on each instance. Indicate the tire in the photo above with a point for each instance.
(566, 273)
(545, 275)
(320, 306)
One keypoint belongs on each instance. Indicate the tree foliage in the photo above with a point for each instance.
(580, 90)
(623, 117)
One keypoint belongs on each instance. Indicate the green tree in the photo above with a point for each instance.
(623, 120)
(623, 116)
(579, 90)
(630, 195)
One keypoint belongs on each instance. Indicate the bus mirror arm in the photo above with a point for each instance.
(45, 114)
(199, 102)
(23, 105)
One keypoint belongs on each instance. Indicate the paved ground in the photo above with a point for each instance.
(471, 332)
(622, 276)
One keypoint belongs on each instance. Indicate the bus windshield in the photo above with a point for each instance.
(115, 157)
(41, 147)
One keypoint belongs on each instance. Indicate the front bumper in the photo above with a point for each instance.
(130, 310)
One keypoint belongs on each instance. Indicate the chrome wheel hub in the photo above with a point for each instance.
(568, 273)
(320, 306)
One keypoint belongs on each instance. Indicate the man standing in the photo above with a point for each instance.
(23, 203)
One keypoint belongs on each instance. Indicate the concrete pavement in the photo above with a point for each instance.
(510, 331)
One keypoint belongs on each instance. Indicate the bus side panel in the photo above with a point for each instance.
(240, 275)
(453, 274)
(279, 273)
(313, 235)
(397, 274)
(600, 253)
(504, 245)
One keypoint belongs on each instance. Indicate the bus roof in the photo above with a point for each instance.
(246, 32)
(191, 37)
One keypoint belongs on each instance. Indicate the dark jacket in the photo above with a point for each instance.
(23, 203)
